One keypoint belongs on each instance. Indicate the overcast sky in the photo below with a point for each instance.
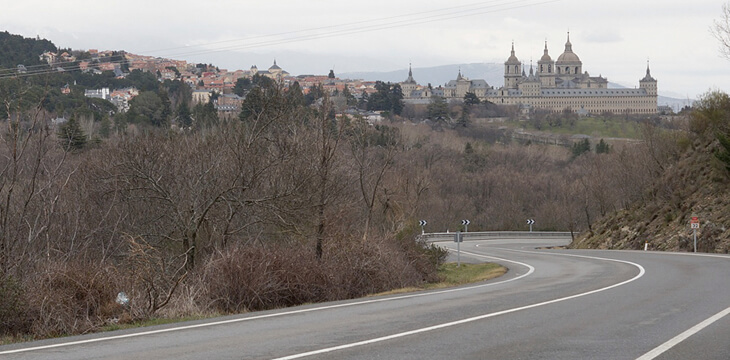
(613, 38)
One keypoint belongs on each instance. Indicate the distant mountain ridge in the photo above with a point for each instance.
(491, 72)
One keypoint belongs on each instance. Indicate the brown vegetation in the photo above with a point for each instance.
(287, 206)
(686, 178)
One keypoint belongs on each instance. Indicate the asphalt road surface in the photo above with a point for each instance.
(552, 304)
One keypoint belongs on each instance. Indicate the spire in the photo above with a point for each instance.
(531, 73)
(410, 79)
(568, 45)
(512, 58)
(648, 73)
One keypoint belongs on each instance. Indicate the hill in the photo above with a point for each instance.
(16, 49)
(693, 183)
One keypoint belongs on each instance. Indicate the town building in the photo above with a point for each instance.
(557, 85)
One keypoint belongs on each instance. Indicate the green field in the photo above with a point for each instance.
(595, 127)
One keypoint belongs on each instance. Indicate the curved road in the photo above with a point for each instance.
(552, 304)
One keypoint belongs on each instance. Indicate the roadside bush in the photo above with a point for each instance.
(71, 297)
(257, 278)
(13, 310)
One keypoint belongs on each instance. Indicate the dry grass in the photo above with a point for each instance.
(453, 275)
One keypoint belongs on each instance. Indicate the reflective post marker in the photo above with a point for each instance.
(457, 239)
(695, 224)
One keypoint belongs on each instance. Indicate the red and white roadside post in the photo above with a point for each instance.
(695, 224)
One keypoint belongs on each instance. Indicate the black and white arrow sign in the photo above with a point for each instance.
(422, 223)
(530, 221)
(465, 222)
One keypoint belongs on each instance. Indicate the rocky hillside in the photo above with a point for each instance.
(696, 184)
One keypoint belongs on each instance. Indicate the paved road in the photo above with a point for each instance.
(552, 304)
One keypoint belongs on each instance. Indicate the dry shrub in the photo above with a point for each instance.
(256, 278)
(71, 297)
(14, 316)
(153, 277)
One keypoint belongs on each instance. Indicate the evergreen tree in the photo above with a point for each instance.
(349, 98)
(389, 97)
(71, 135)
(438, 109)
(602, 147)
(205, 115)
(464, 118)
(294, 95)
(184, 117)
(363, 102)
(396, 99)
(243, 85)
(581, 148)
(105, 127)
(471, 98)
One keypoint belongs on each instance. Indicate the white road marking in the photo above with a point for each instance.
(683, 336)
(477, 318)
(530, 271)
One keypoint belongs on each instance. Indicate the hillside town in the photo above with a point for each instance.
(555, 86)
(203, 79)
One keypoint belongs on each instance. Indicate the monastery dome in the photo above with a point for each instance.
(568, 56)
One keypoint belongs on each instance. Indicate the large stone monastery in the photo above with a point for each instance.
(555, 85)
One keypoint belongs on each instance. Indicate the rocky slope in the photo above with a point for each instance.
(695, 185)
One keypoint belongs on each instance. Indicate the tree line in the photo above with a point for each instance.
(287, 203)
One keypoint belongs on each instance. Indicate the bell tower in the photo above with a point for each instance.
(546, 69)
(648, 82)
(512, 70)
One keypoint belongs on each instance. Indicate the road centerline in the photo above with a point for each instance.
(641, 273)
(530, 271)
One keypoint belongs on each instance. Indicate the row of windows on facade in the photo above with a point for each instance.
(542, 69)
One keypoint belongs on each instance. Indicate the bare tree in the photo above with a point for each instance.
(721, 31)
(373, 154)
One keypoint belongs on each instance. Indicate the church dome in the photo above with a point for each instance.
(568, 56)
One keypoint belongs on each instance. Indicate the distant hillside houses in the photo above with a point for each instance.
(556, 85)
(119, 97)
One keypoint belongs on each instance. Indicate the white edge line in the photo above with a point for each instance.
(683, 336)
(160, 331)
(476, 318)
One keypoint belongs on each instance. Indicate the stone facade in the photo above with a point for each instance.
(555, 86)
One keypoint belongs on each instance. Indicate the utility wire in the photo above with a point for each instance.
(314, 33)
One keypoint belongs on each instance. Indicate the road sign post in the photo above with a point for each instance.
(530, 222)
(458, 239)
(695, 224)
(423, 225)
(466, 225)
